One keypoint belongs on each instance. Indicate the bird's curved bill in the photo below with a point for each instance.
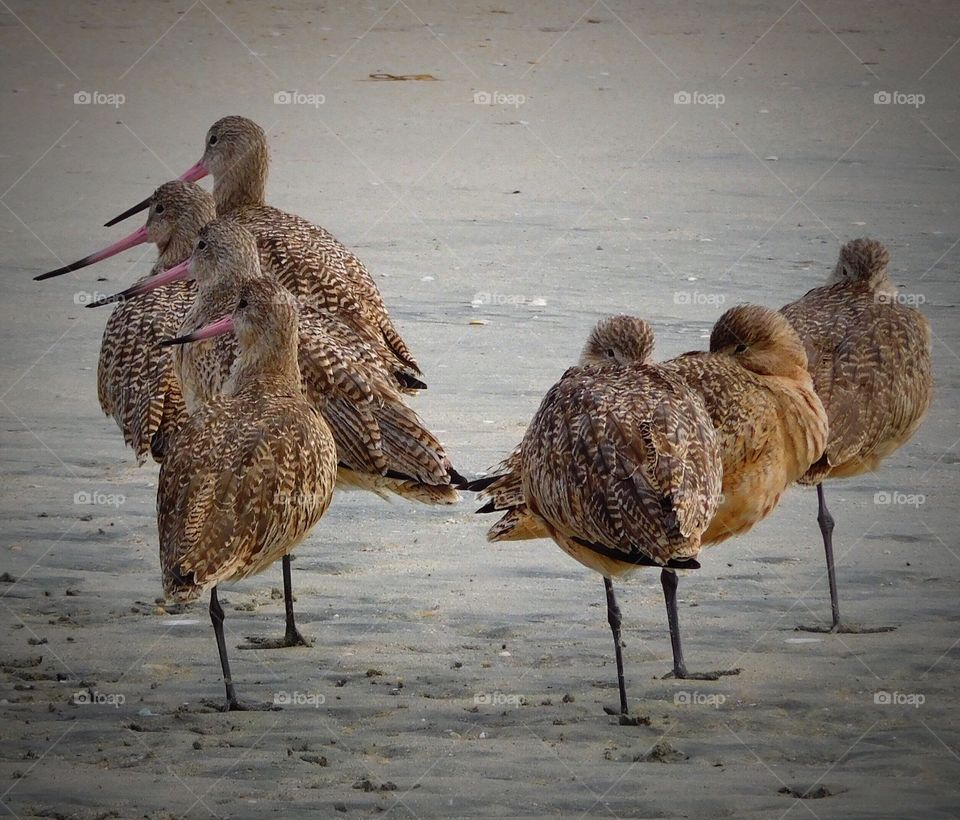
(174, 274)
(192, 174)
(217, 328)
(138, 237)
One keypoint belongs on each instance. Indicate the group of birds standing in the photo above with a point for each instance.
(257, 363)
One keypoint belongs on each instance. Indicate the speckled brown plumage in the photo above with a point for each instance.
(870, 359)
(306, 258)
(616, 339)
(770, 424)
(624, 458)
(869, 356)
(136, 383)
(382, 444)
(253, 469)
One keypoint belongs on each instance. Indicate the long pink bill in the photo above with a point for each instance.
(192, 174)
(217, 328)
(138, 237)
(174, 274)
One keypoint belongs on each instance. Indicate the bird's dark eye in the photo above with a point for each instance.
(610, 353)
(201, 245)
(159, 209)
(242, 303)
(740, 348)
(212, 140)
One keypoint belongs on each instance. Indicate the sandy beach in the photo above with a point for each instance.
(509, 172)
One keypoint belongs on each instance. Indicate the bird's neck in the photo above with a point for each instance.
(243, 185)
(177, 248)
(267, 364)
(212, 303)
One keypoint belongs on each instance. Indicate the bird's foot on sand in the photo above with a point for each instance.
(627, 719)
(240, 706)
(683, 674)
(844, 629)
(288, 640)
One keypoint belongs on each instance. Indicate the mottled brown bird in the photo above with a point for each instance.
(382, 444)
(306, 258)
(616, 339)
(869, 356)
(252, 471)
(620, 467)
(136, 383)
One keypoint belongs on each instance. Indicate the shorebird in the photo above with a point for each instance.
(620, 467)
(617, 339)
(382, 445)
(770, 424)
(306, 258)
(869, 356)
(136, 383)
(252, 471)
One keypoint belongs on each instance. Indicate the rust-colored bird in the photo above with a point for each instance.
(306, 258)
(620, 467)
(382, 444)
(252, 471)
(869, 356)
(771, 426)
(136, 383)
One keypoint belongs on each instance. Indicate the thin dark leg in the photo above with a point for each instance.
(669, 581)
(826, 522)
(216, 618)
(232, 704)
(614, 619)
(291, 636)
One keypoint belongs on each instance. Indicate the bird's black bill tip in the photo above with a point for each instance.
(140, 206)
(80, 263)
(106, 300)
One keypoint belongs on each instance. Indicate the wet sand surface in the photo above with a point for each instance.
(450, 677)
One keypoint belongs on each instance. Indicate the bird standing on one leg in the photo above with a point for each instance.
(620, 467)
(869, 356)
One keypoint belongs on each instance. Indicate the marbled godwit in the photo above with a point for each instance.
(307, 259)
(869, 355)
(770, 424)
(249, 473)
(616, 339)
(136, 383)
(382, 445)
(621, 469)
